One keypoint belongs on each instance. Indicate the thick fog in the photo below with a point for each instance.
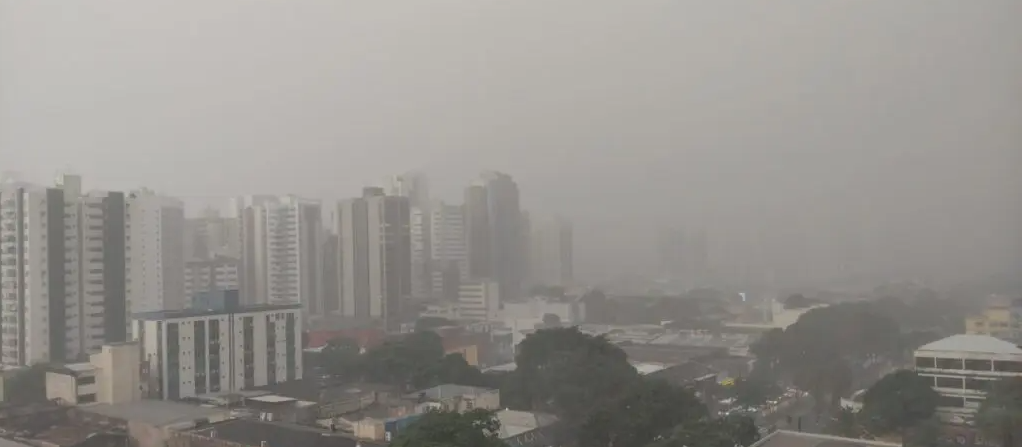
(801, 135)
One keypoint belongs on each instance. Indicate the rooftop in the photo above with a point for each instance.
(272, 399)
(326, 390)
(445, 391)
(160, 413)
(514, 423)
(193, 313)
(972, 343)
(248, 432)
(784, 438)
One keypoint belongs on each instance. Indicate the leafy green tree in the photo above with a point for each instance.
(844, 424)
(341, 357)
(647, 409)
(477, 428)
(27, 385)
(400, 361)
(798, 301)
(926, 433)
(452, 368)
(1000, 415)
(819, 351)
(897, 402)
(568, 373)
(430, 323)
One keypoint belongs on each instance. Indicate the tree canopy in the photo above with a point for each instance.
(898, 402)
(646, 410)
(1000, 414)
(821, 350)
(600, 399)
(476, 428)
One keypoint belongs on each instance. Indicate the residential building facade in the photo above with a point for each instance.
(206, 275)
(375, 256)
(62, 271)
(191, 352)
(156, 270)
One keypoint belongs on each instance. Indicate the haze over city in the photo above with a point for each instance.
(341, 223)
(896, 120)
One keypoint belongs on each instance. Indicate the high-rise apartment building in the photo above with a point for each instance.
(375, 256)
(494, 232)
(212, 235)
(449, 256)
(156, 266)
(62, 263)
(551, 252)
(281, 244)
(209, 275)
(415, 187)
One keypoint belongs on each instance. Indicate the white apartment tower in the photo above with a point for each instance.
(282, 251)
(156, 266)
(374, 256)
(551, 252)
(62, 281)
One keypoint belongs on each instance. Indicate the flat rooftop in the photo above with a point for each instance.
(785, 438)
(249, 432)
(445, 391)
(193, 313)
(160, 413)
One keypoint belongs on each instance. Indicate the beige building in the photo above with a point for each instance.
(110, 376)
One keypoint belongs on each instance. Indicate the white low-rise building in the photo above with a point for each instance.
(964, 367)
(187, 353)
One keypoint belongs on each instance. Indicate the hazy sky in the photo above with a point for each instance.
(744, 116)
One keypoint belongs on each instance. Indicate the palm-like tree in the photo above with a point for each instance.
(1000, 416)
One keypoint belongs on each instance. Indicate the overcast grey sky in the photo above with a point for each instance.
(745, 117)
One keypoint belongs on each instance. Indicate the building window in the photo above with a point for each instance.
(950, 382)
(945, 363)
(977, 384)
(87, 398)
(85, 380)
(952, 402)
(978, 365)
(1007, 366)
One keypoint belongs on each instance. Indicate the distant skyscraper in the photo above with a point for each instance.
(415, 187)
(375, 256)
(494, 224)
(670, 247)
(552, 252)
(212, 235)
(156, 272)
(449, 256)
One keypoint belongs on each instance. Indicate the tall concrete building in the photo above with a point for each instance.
(212, 235)
(494, 232)
(62, 278)
(551, 252)
(415, 187)
(449, 255)
(156, 270)
(281, 244)
(375, 256)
